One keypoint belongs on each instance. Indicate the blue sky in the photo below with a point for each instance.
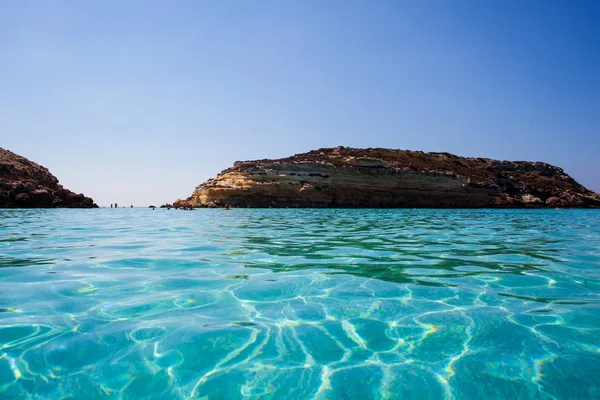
(140, 101)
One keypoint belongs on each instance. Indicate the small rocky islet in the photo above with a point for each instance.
(377, 177)
(338, 177)
(26, 184)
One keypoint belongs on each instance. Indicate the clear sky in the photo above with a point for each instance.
(140, 101)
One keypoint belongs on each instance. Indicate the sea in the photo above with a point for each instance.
(299, 304)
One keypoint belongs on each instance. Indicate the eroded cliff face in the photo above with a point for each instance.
(25, 184)
(348, 177)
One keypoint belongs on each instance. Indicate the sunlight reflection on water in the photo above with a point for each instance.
(299, 304)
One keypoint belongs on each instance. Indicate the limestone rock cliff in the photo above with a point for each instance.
(25, 184)
(349, 177)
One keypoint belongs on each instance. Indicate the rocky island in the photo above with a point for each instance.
(377, 177)
(25, 184)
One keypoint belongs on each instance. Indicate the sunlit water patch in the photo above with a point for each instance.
(299, 304)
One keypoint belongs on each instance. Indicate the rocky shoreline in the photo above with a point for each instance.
(386, 178)
(25, 184)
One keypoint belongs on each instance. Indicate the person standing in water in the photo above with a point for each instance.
(110, 205)
(116, 205)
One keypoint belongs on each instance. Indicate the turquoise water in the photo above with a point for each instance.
(299, 304)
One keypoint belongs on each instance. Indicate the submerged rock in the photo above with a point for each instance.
(25, 184)
(349, 177)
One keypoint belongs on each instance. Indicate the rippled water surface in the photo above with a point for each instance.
(299, 304)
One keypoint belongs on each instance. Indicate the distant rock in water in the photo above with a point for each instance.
(25, 184)
(348, 177)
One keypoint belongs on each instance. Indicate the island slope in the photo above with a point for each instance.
(25, 184)
(377, 177)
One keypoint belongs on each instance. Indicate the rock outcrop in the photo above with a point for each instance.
(25, 184)
(348, 177)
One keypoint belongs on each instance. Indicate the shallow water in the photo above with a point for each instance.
(299, 304)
